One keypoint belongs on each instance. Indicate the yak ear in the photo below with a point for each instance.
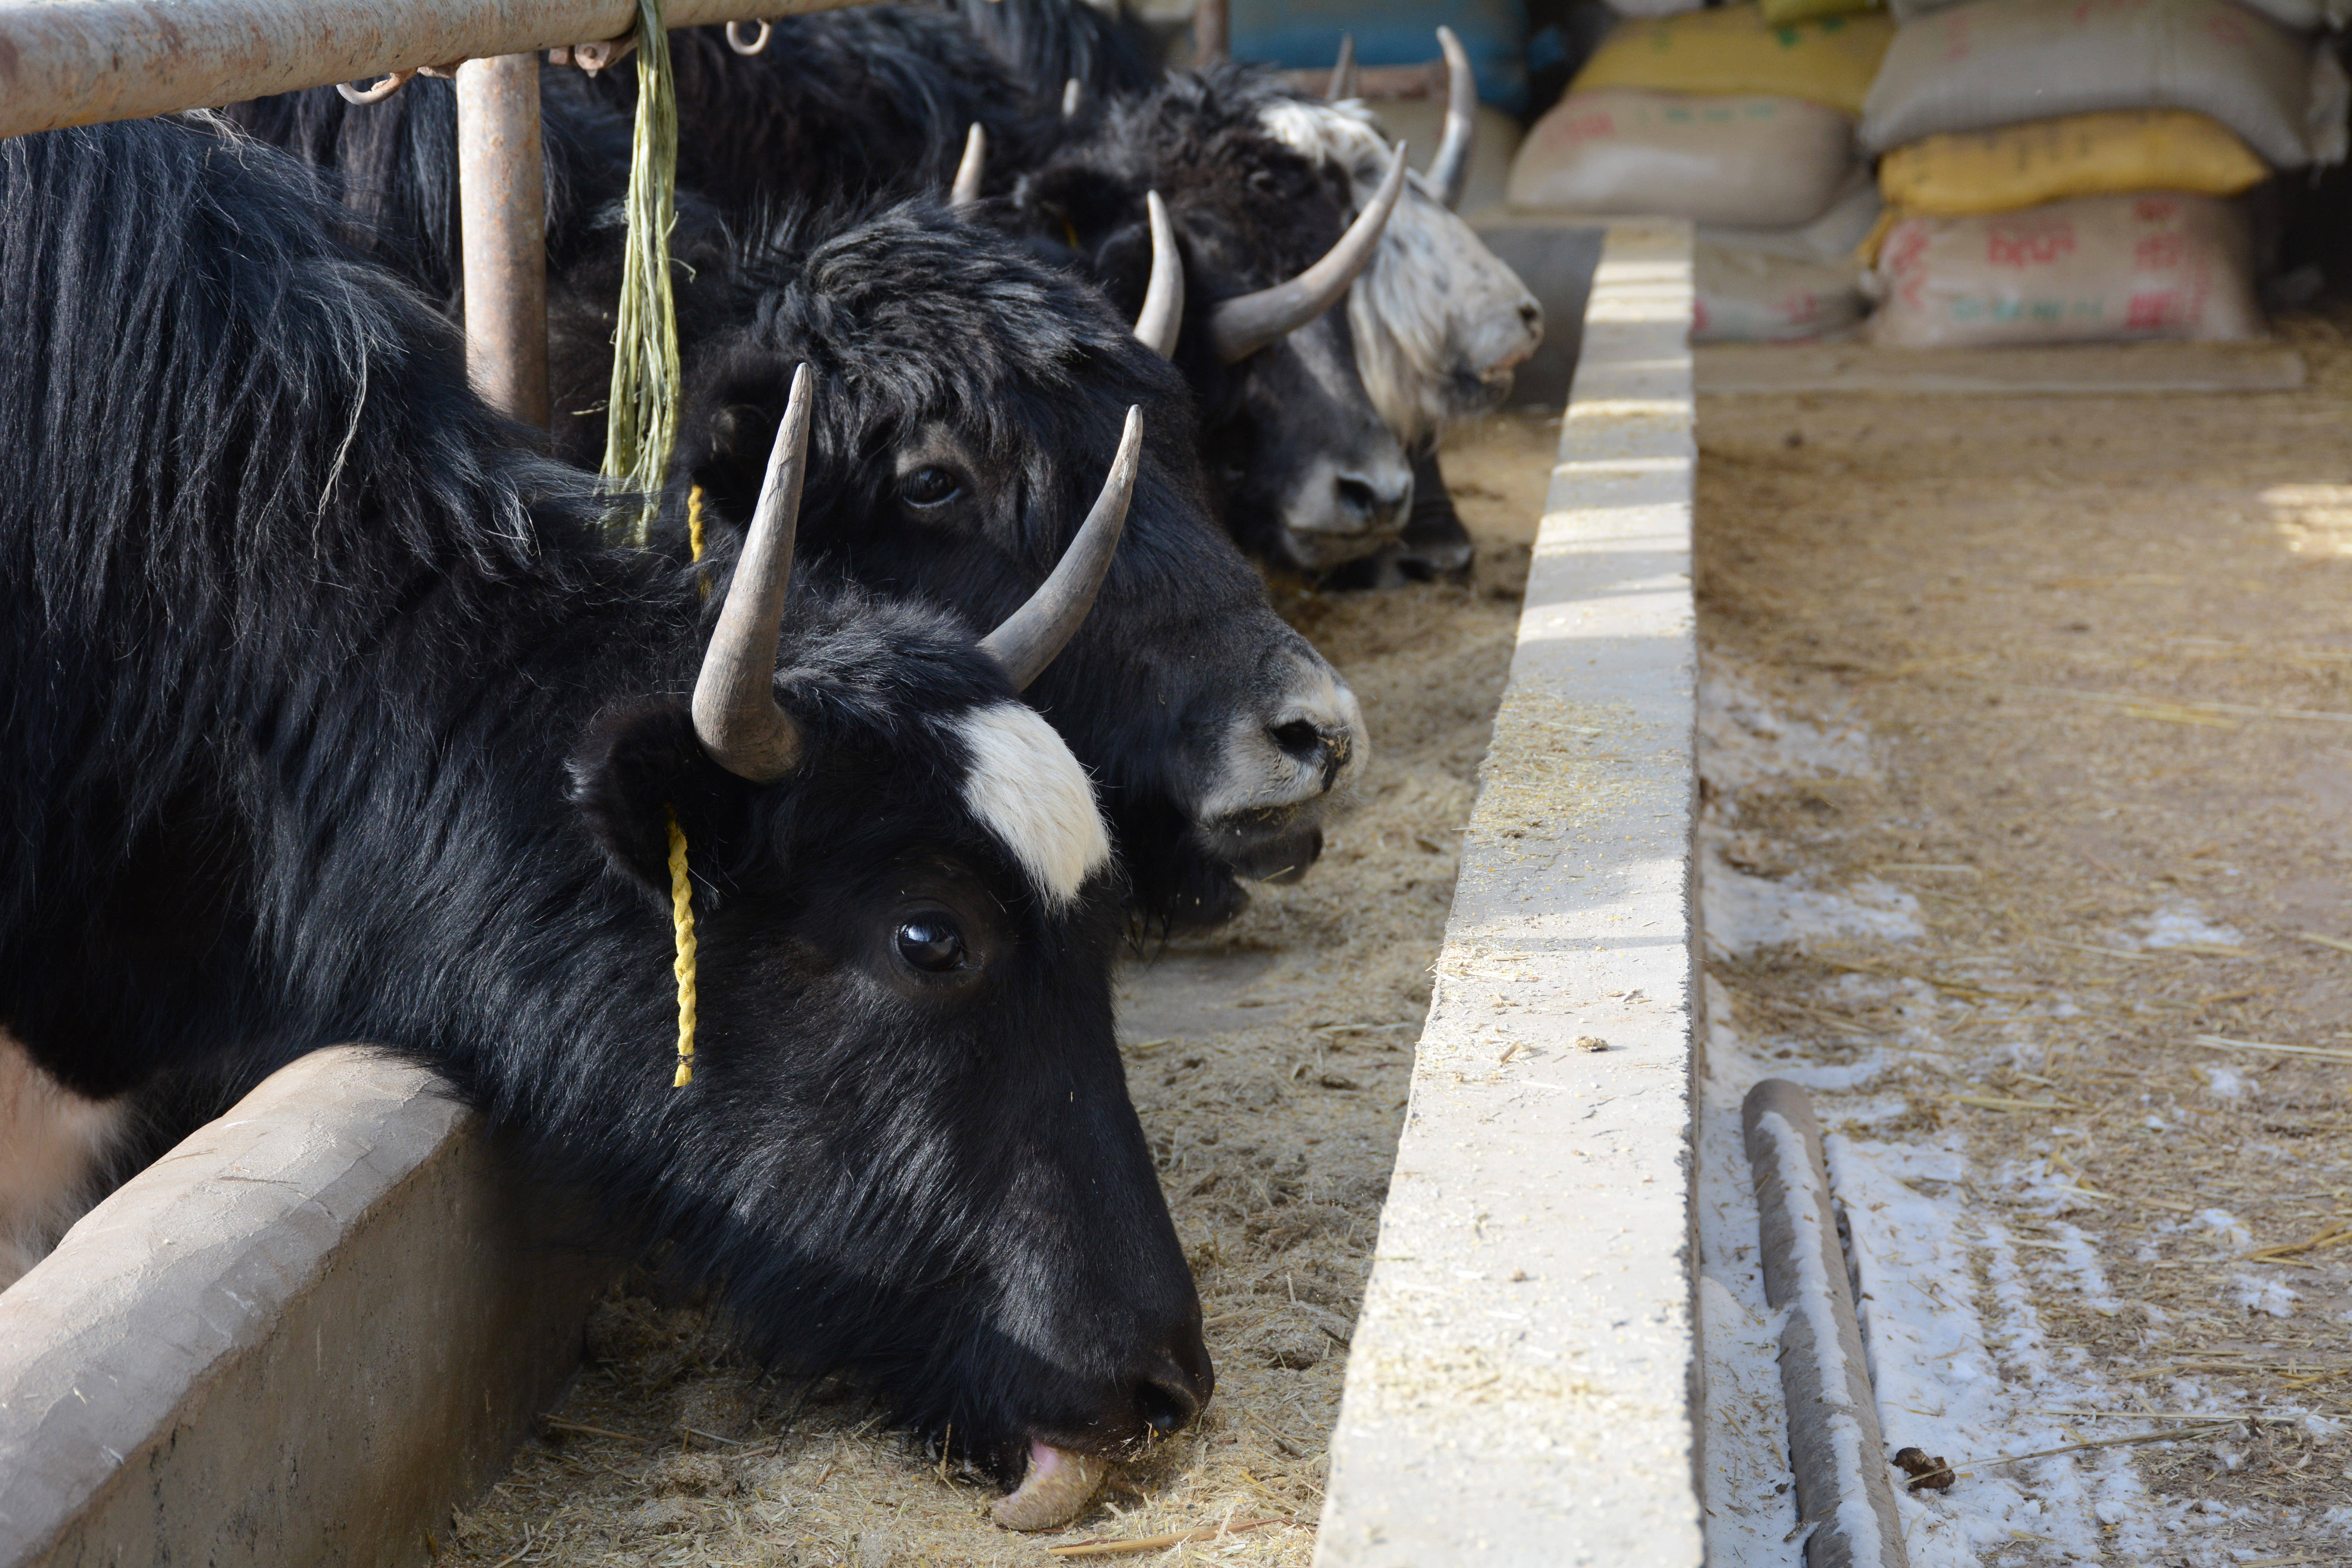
(1074, 202)
(732, 427)
(633, 770)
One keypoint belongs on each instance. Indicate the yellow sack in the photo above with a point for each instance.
(1732, 50)
(1780, 13)
(1958, 173)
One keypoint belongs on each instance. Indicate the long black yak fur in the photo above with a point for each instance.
(872, 100)
(1048, 43)
(329, 719)
(923, 325)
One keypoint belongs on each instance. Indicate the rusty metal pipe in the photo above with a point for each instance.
(77, 63)
(502, 217)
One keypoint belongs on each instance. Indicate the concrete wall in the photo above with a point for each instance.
(1523, 1381)
(298, 1338)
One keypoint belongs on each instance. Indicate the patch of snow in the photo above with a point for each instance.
(2181, 924)
(2231, 1230)
(2223, 1081)
(2257, 1293)
(1743, 913)
(1741, 740)
(2081, 1261)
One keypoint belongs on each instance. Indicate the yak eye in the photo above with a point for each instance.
(930, 941)
(930, 486)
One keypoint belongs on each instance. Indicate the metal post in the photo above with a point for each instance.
(502, 216)
(1212, 37)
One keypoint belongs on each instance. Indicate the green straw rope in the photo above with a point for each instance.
(641, 415)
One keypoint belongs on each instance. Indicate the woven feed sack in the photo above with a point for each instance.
(1835, 237)
(1305, 35)
(2105, 154)
(1757, 162)
(1655, 7)
(1740, 296)
(1782, 13)
(2303, 16)
(1732, 51)
(1990, 63)
(2154, 266)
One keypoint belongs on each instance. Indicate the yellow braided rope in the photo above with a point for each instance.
(681, 915)
(694, 519)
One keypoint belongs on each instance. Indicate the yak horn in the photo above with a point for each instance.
(736, 715)
(1073, 95)
(1241, 326)
(1029, 638)
(1162, 316)
(965, 192)
(1344, 83)
(1449, 172)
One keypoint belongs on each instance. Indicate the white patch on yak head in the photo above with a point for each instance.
(1439, 320)
(1022, 781)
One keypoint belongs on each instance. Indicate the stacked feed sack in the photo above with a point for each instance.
(1742, 123)
(2057, 171)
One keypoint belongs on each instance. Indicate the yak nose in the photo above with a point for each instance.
(1322, 748)
(1531, 317)
(1376, 503)
(1172, 1390)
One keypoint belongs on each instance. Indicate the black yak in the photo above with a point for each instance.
(330, 717)
(973, 390)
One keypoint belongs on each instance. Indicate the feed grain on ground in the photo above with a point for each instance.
(2027, 792)
(1269, 1061)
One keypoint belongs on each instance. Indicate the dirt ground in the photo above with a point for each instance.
(2061, 689)
(1269, 1062)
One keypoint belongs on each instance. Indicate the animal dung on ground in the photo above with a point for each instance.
(1059, 1484)
(1927, 1474)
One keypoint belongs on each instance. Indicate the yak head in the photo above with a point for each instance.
(1311, 474)
(905, 1146)
(973, 390)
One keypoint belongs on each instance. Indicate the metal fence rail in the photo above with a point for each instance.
(75, 62)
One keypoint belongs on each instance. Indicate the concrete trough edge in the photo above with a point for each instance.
(1524, 1379)
(300, 1337)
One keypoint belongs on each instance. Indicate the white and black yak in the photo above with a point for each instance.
(330, 717)
(972, 390)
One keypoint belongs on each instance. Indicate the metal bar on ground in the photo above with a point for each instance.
(1834, 1445)
(78, 62)
(502, 216)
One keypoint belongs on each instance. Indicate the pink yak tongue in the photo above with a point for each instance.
(1059, 1484)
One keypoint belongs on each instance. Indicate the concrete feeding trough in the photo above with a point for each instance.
(1525, 1376)
(301, 1336)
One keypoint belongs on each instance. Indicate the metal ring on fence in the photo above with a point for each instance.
(755, 46)
(392, 82)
